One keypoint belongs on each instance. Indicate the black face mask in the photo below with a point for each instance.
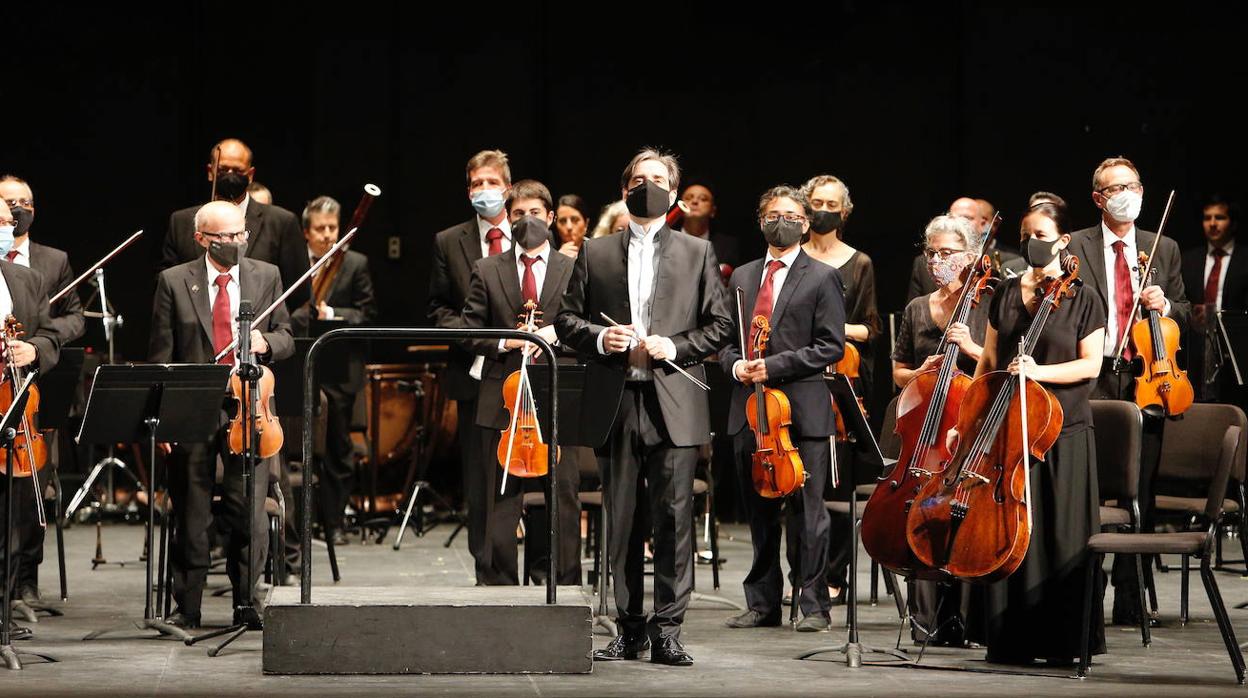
(231, 185)
(826, 222)
(648, 200)
(1039, 253)
(782, 234)
(226, 254)
(529, 233)
(22, 218)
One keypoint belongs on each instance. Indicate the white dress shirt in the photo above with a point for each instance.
(1113, 333)
(232, 288)
(539, 276)
(643, 246)
(1229, 249)
(23, 253)
(777, 283)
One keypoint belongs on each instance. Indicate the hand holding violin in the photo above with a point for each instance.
(23, 353)
(259, 346)
(1153, 298)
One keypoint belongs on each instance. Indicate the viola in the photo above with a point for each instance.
(1161, 386)
(521, 450)
(926, 409)
(776, 466)
(268, 429)
(974, 522)
(30, 450)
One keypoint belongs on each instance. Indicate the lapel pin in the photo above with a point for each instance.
(195, 289)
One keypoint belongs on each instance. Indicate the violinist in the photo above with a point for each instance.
(194, 317)
(22, 295)
(805, 307)
(664, 287)
(949, 245)
(1035, 612)
(1110, 251)
(350, 300)
(499, 288)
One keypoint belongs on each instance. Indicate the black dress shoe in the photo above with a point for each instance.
(669, 651)
(813, 623)
(752, 619)
(182, 620)
(249, 617)
(622, 647)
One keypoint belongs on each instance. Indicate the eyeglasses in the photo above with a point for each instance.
(944, 253)
(19, 203)
(790, 217)
(240, 236)
(1115, 189)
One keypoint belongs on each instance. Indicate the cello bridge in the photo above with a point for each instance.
(920, 472)
(975, 475)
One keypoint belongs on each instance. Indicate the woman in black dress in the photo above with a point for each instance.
(1036, 612)
(940, 612)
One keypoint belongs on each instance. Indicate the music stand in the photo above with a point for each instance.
(1232, 331)
(153, 402)
(855, 423)
(8, 433)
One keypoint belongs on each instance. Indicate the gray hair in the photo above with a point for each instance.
(945, 224)
(321, 204)
(667, 159)
(847, 204)
(784, 191)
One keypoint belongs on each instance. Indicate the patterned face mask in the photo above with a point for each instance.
(944, 271)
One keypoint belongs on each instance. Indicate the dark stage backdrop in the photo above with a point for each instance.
(110, 112)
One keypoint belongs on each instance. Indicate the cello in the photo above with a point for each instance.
(521, 451)
(974, 522)
(926, 409)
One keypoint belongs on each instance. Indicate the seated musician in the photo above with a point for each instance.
(22, 296)
(66, 323)
(500, 287)
(193, 319)
(806, 309)
(349, 299)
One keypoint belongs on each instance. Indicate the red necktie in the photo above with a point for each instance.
(1215, 275)
(495, 238)
(1123, 293)
(529, 286)
(762, 306)
(222, 330)
(12, 255)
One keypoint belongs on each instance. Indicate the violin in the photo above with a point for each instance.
(521, 450)
(926, 409)
(268, 430)
(1161, 386)
(974, 522)
(30, 450)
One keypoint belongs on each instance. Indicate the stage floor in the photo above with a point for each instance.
(1189, 660)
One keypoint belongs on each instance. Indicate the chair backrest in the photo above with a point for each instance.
(1190, 446)
(890, 445)
(1118, 425)
(1230, 445)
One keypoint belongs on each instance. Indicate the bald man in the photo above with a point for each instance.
(981, 213)
(193, 318)
(275, 232)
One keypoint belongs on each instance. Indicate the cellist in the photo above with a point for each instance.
(805, 307)
(1035, 613)
(499, 288)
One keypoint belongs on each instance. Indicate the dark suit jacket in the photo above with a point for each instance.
(30, 307)
(455, 251)
(807, 335)
(1089, 246)
(182, 313)
(689, 307)
(1235, 269)
(53, 265)
(352, 299)
(494, 300)
(276, 237)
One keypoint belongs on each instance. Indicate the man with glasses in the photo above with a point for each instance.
(665, 291)
(275, 233)
(193, 320)
(803, 303)
(1111, 268)
(66, 322)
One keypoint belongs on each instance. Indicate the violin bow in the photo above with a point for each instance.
(1022, 406)
(104, 260)
(515, 409)
(1135, 303)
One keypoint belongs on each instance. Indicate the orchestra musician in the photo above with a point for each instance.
(22, 295)
(1110, 252)
(499, 288)
(665, 288)
(455, 251)
(700, 199)
(1216, 278)
(982, 217)
(193, 319)
(804, 302)
(65, 321)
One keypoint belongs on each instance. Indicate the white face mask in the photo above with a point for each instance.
(1124, 206)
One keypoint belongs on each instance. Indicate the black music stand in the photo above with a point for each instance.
(172, 403)
(856, 424)
(8, 433)
(1232, 331)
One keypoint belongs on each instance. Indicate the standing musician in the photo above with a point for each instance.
(22, 295)
(500, 287)
(666, 288)
(66, 322)
(193, 319)
(949, 245)
(1110, 252)
(455, 251)
(1217, 279)
(274, 230)
(351, 300)
(805, 307)
(1035, 613)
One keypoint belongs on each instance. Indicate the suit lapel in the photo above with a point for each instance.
(197, 287)
(471, 243)
(14, 291)
(505, 269)
(663, 265)
(790, 285)
(557, 272)
(1093, 258)
(254, 224)
(247, 283)
(622, 279)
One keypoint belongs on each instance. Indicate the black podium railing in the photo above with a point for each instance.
(549, 429)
